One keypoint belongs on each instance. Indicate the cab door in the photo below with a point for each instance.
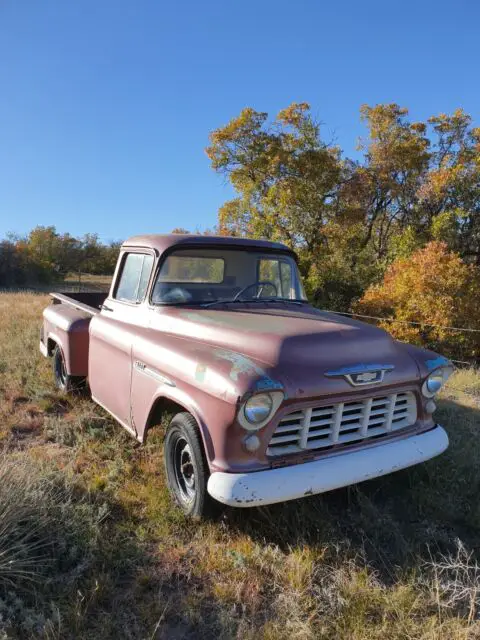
(112, 334)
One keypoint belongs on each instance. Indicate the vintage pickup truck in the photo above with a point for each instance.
(271, 398)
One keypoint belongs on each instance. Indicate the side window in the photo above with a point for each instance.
(144, 277)
(279, 273)
(133, 281)
(268, 271)
(286, 276)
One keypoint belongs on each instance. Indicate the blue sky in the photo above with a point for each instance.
(106, 105)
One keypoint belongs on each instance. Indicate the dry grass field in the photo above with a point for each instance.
(88, 280)
(90, 546)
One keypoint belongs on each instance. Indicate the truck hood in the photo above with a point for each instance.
(295, 346)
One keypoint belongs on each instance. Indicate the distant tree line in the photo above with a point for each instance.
(44, 256)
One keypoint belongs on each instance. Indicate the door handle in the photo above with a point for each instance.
(104, 307)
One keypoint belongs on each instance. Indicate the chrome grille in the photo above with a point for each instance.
(342, 423)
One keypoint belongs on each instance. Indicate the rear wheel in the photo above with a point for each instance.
(64, 381)
(186, 466)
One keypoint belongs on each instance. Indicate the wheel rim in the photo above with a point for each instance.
(60, 369)
(184, 470)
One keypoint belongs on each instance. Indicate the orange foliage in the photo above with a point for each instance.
(432, 286)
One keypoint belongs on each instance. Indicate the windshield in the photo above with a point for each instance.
(211, 276)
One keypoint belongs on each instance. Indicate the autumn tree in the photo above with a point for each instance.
(287, 180)
(434, 289)
(51, 251)
(384, 187)
(348, 220)
(451, 192)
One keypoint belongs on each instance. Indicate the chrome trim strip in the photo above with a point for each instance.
(143, 368)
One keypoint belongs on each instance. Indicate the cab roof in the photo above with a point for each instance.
(162, 242)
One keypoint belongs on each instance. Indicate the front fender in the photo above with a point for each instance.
(222, 373)
(426, 360)
(213, 415)
(180, 397)
(205, 380)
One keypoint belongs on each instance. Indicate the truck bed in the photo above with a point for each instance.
(87, 301)
(65, 325)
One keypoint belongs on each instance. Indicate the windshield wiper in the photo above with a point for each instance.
(287, 300)
(265, 300)
(255, 300)
(211, 304)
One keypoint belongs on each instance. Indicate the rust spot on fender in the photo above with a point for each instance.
(200, 372)
(243, 365)
(240, 364)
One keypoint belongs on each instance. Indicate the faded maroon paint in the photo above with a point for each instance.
(68, 327)
(209, 360)
(162, 243)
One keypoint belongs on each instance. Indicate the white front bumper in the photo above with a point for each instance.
(338, 470)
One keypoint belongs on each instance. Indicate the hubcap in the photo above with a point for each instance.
(184, 469)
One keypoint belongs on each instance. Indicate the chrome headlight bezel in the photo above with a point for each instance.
(434, 382)
(275, 399)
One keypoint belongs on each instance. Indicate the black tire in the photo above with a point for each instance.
(64, 381)
(186, 467)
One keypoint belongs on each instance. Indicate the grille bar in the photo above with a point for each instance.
(342, 423)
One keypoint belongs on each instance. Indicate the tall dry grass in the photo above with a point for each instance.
(91, 546)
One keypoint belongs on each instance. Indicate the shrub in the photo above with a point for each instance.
(431, 287)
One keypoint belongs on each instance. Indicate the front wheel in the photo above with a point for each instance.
(186, 466)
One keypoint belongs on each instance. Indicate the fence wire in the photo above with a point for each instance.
(409, 322)
(469, 363)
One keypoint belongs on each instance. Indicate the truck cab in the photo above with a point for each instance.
(272, 399)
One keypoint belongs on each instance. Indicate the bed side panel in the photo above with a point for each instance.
(68, 327)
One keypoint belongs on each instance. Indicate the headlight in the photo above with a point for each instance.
(435, 381)
(258, 408)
